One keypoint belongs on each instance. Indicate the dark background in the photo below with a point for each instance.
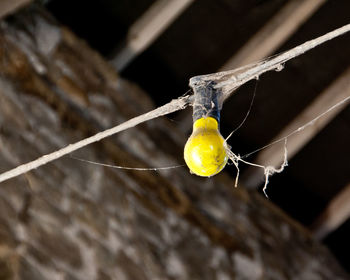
(200, 41)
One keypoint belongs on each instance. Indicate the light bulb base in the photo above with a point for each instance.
(206, 102)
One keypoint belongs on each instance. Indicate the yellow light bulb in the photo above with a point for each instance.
(204, 153)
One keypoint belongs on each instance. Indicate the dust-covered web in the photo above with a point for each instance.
(127, 167)
(268, 170)
(226, 82)
(246, 115)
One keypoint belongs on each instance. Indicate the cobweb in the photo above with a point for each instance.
(268, 170)
(226, 83)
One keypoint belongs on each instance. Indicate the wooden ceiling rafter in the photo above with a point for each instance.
(9, 6)
(148, 28)
(274, 33)
(334, 215)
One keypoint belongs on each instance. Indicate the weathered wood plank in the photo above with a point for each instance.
(274, 33)
(335, 214)
(9, 6)
(148, 28)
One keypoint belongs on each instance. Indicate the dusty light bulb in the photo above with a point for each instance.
(204, 152)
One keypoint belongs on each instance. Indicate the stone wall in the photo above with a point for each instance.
(74, 220)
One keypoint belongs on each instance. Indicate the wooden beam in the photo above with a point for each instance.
(335, 214)
(273, 155)
(274, 33)
(148, 28)
(9, 6)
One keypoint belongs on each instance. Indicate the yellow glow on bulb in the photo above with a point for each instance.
(204, 153)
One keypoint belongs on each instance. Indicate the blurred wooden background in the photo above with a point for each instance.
(70, 220)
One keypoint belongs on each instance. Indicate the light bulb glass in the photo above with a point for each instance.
(204, 152)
